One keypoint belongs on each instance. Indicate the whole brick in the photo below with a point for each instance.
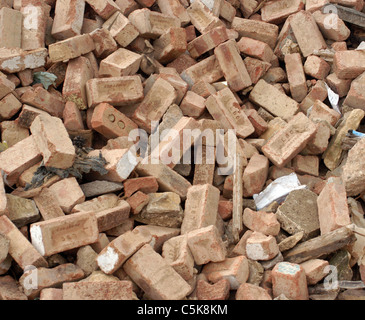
(64, 233)
(154, 275)
(296, 76)
(337, 31)
(273, 100)
(348, 64)
(117, 91)
(232, 65)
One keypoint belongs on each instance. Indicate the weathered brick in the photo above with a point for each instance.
(117, 91)
(256, 49)
(217, 291)
(15, 60)
(9, 289)
(122, 62)
(273, 100)
(277, 11)
(306, 165)
(10, 28)
(337, 30)
(248, 291)
(154, 275)
(261, 247)
(174, 8)
(104, 8)
(348, 64)
(289, 279)
(315, 270)
(255, 175)
(290, 140)
(261, 221)
(296, 76)
(355, 97)
(232, 65)
(68, 19)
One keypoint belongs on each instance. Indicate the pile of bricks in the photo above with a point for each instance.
(80, 78)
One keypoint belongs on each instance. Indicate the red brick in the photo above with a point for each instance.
(349, 64)
(321, 111)
(104, 43)
(339, 86)
(261, 221)
(174, 8)
(255, 48)
(103, 8)
(261, 247)
(256, 68)
(225, 207)
(316, 67)
(315, 270)
(72, 118)
(255, 175)
(138, 201)
(192, 105)
(296, 76)
(337, 31)
(182, 62)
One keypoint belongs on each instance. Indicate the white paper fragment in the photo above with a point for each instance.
(333, 98)
(361, 46)
(277, 190)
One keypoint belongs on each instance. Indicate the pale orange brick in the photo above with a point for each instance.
(3, 199)
(138, 201)
(201, 207)
(257, 121)
(127, 6)
(182, 62)
(261, 247)
(68, 19)
(207, 70)
(35, 15)
(72, 118)
(333, 211)
(256, 68)
(273, 100)
(113, 217)
(201, 243)
(225, 207)
(101, 243)
(315, 270)
(335, 30)
(152, 107)
(232, 65)
(277, 11)
(235, 270)
(289, 279)
(98, 290)
(23, 59)
(339, 86)
(9, 106)
(255, 29)
(19, 157)
(288, 142)
(170, 45)
(64, 233)
(52, 140)
(48, 205)
(51, 294)
(10, 28)
(121, 29)
(117, 91)
(120, 249)
(321, 111)
(154, 275)
(348, 64)
(248, 291)
(261, 221)
(20, 249)
(316, 67)
(103, 8)
(313, 5)
(78, 72)
(310, 38)
(317, 92)
(49, 277)
(192, 105)
(12, 133)
(71, 48)
(152, 24)
(110, 122)
(68, 193)
(177, 253)
(224, 107)
(255, 48)
(207, 41)
(339, 46)
(174, 8)
(296, 76)
(255, 175)
(306, 165)
(202, 18)
(122, 62)
(216, 291)
(10, 290)
(355, 97)
(319, 143)
(104, 43)
(44, 100)
(143, 184)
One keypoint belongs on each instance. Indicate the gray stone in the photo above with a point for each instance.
(21, 211)
(99, 187)
(291, 241)
(299, 212)
(4, 247)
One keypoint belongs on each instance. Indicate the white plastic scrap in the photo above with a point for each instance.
(277, 190)
(333, 98)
